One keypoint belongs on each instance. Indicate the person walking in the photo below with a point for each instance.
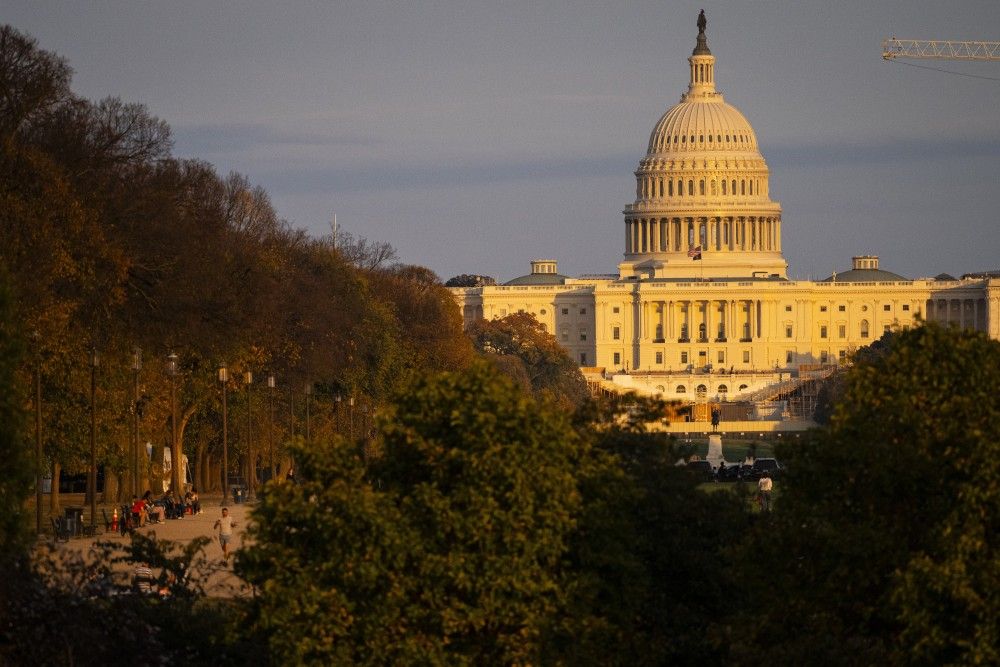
(764, 486)
(225, 525)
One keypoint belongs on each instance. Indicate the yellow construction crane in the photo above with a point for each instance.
(933, 49)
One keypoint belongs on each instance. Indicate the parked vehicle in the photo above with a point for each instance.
(769, 466)
(702, 469)
(730, 473)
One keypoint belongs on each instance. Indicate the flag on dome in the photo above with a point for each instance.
(695, 253)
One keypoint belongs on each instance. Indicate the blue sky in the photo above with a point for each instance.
(476, 136)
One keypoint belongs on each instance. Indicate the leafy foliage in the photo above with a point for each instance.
(448, 548)
(524, 351)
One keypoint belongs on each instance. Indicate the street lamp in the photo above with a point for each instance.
(175, 454)
(36, 337)
(350, 404)
(338, 420)
(251, 467)
(309, 391)
(270, 421)
(136, 367)
(93, 440)
(223, 379)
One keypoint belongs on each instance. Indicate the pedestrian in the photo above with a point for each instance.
(225, 524)
(764, 486)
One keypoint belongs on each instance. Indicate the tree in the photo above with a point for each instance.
(16, 482)
(880, 543)
(470, 280)
(526, 352)
(446, 549)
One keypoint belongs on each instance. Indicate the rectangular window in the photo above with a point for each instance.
(887, 307)
(583, 334)
(702, 354)
(842, 330)
(583, 358)
(822, 332)
(789, 357)
(583, 311)
(746, 357)
(722, 356)
(822, 309)
(618, 359)
(684, 357)
(841, 308)
(616, 333)
(843, 355)
(788, 309)
(615, 310)
(906, 307)
(824, 357)
(788, 331)
(659, 358)
(565, 311)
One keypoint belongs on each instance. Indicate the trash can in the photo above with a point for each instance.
(73, 519)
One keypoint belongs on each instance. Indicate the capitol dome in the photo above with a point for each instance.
(702, 206)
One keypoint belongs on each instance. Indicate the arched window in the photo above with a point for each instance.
(724, 186)
(701, 391)
(681, 389)
(715, 187)
(661, 187)
(701, 331)
(684, 139)
(701, 187)
(743, 187)
(751, 187)
(743, 387)
(701, 138)
(680, 188)
(660, 389)
(723, 390)
(691, 187)
(734, 187)
(670, 188)
(864, 328)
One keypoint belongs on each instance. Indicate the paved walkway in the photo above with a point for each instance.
(220, 580)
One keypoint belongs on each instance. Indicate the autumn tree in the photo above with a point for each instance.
(521, 347)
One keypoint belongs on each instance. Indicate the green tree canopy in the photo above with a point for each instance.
(446, 549)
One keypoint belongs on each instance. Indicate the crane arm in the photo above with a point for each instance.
(939, 49)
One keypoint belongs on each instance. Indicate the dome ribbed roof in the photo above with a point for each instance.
(702, 125)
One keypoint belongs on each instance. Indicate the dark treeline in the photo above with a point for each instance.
(111, 243)
(469, 509)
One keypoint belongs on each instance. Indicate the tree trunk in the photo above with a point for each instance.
(54, 495)
(112, 486)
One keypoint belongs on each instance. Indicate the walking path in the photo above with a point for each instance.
(220, 580)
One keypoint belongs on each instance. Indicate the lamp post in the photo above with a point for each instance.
(93, 440)
(223, 379)
(251, 466)
(350, 405)
(338, 420)
(308, 390)
(136, 367)
(38, 436)
(270, 422)
(175, 458)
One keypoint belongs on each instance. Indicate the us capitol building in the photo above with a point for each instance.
(701, 308)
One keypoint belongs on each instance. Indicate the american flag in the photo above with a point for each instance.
(695, 253)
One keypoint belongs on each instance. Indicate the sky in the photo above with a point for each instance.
(477, 135)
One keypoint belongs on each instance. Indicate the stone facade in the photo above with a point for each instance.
(701, 308)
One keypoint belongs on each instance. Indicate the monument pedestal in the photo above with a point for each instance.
(714, 455)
